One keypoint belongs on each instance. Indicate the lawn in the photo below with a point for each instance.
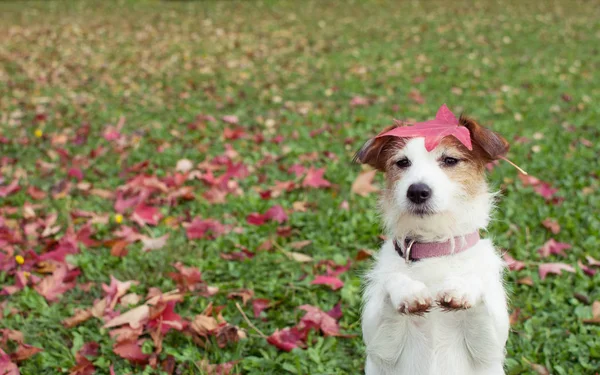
(207, 146)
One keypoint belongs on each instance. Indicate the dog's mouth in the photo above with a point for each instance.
(421, 210)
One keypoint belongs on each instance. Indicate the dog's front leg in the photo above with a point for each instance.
(408, 296)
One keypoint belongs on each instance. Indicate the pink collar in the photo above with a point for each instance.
(417, 251)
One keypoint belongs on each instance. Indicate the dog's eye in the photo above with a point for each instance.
(403, 163)
(450, 161)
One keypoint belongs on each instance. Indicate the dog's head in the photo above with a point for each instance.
(435, 194)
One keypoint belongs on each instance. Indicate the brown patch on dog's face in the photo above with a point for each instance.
(469, 170)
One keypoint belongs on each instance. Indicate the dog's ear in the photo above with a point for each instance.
(492, 145)
(373, 152)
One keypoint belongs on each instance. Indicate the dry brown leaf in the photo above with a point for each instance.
(363, 185)
(298, 257)
(300, 244)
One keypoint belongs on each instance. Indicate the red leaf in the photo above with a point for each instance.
(359, 101)
(208, 228)
(259, 305)
(587, 270)
(336, 312)
(6, 365)
(314, 178)
(65, 246)
(146, 215)
(317, 318)
(275, 213)
(444, 124)
(297, 169)
(333, 282)
(131, 351)
(167, 319)
(542, 188)
(555, 268)
(9, 189)
(552, 225)
(288, 338)
(61, 280)
(512, 263)
(553, 247)
(23, 352)
(76, 173)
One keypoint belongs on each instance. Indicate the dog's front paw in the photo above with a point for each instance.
(456, 295)
(413, 298)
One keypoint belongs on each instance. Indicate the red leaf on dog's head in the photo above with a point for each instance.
(556, 268)
(444, 124)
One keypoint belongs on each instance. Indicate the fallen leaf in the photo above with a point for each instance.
(555, 268)
(288, 338)
(514, 316)
(587, 270)
(300, 244)
(184, 165)
(131, 350)
(527, 280)
(298, 257)
(512, 263)
(314, 178)
(154, 243)
(7, 366)
(80, 316)
(259, 305)
(553, 247)
(359, 101)
(332, 281)
(363, 254)
(53, 286)
(146, 215)
(135, 317)
(539, 369)
(363, 184)
(595, 314)
(200, 228)
(245, 294)
(10, 189)
(592, 261)
(552, 225)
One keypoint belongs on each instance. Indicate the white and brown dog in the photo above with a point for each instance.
(434, 302)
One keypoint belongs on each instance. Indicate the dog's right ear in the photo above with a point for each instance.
(373, 152)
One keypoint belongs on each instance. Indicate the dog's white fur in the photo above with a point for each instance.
(457, 342)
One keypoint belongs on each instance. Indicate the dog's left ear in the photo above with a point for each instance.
(373, 152)
(492, 144)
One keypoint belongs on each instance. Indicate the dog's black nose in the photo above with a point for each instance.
(418, 193)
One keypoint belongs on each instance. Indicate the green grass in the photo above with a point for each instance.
(288, 69)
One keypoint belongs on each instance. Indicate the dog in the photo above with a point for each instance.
(434, 301)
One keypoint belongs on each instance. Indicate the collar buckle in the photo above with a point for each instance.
(407, 252)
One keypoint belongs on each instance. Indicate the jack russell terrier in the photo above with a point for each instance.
(434, 301)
